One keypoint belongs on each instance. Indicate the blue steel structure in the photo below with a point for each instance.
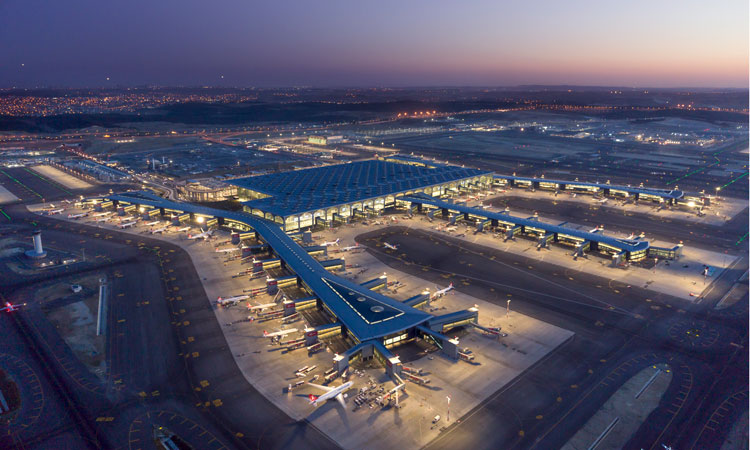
(667, 195)
(365, 314)
(295, 192)
(629, 246)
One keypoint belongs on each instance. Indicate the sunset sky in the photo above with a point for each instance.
(655, 43)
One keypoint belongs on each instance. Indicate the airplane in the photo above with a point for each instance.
(226, 250)
(351, 247)
(279, 334)
(260, 307)
(183, 229)
(449, 229)
(603, 200)
(151, 224)
(102, 214)
(632, 236)
(202, 235)
(77, 216)
(159, 230)
(330, 392)
(231, 300)
(55, 211)
(390, 246)
(126, 224)
(599, 228)
(326, 244)
(103, 219)
(441, 292)
(10, 307)
(67, 202)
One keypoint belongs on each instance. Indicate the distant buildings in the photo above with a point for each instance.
(325, 140)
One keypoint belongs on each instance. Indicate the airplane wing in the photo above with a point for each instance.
(340, 399)
(323, 388)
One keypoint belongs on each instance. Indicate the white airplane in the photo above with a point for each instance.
(226, 250)
(103, 219)
(390, 246)
(67, 202)
(351, 247)
(260, 307)
(599, 228)
(10, 307)
(449, 229)
(102, 214)
(77, 216)
(231, 300)
(183, 229)
(280, 333)
(127, 224)
(159, 230)
(330, 392)
(52, 212)
(151, 224)
(603, 200)
(326, 244)
(202, 235)
(632, 236)
(441, 292)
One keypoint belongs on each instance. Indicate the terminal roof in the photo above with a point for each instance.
(365, 313)
(317, 188)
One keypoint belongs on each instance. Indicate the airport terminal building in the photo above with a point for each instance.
(278, 207)
(336, 193)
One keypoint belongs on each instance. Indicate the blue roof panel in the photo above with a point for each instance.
(322, 187)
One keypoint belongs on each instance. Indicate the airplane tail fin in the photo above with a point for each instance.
(450, 285)
(312, 398)
(265, 333)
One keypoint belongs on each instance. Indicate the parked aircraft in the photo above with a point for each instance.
(351, 247)
(441, 292)
(202, 235)
(127, 224)
(231, 301)
(260, 307)
(330, 392)
(52, 212)
(326, 244)
(77, 216)
(159, 230)
(279, 334)
(226, 250)
(151, 224)
(390, 246)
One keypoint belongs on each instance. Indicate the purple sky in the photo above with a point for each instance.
(650, 43)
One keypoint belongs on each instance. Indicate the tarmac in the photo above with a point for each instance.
(682, 278)
(270, 370)
(718, 213)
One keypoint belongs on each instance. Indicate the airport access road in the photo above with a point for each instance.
(619, 330)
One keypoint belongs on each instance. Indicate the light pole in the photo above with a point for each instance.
(507, 309)
(448, 416)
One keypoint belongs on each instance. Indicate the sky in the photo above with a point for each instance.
(350, 43)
